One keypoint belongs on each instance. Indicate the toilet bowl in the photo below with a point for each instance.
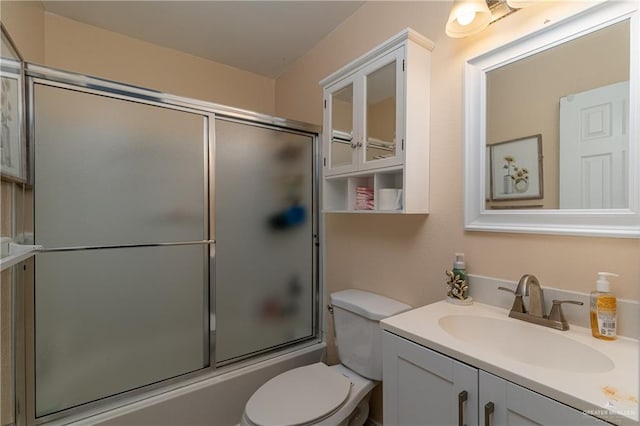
(318, 394)
(315, 394)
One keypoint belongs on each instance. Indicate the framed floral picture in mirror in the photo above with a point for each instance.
(516, 169)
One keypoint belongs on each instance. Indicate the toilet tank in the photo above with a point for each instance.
(356, 318)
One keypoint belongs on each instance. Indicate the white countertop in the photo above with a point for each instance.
(615, 390)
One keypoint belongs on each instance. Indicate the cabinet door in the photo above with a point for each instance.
(382, 138)
(423, 387)
(340, 141)
(514, 405)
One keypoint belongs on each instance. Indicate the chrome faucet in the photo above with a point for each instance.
(529, 286)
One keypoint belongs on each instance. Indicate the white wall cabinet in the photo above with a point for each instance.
(376, 127)
(424, 387)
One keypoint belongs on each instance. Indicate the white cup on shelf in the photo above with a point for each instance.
(389, 199)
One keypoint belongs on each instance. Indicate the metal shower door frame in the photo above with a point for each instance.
(36, 74)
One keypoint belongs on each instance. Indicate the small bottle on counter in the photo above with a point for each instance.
(460, 269)
(603, 309)
(457, 283)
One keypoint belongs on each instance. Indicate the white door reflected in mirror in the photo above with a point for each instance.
(594, 145)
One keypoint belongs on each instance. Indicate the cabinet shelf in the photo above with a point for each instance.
(340, 193)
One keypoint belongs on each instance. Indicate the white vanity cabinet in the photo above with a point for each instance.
(376, 127)
(424, 387)
(504, 403)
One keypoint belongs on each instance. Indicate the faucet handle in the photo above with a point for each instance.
(556, 312)
(518, 305)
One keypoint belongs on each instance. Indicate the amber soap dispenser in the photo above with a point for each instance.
(603, 308)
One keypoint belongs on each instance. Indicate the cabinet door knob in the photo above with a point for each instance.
(462, 398)
(488, 411)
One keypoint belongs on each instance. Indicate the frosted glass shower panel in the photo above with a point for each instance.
(99, 159)
(264, 238)
(108, 321)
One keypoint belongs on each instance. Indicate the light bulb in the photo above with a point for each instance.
(466, 18)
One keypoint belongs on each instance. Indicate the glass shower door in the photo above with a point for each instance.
(264, 260)
(121, 209)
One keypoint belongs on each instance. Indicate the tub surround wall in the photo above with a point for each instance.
(216, 401)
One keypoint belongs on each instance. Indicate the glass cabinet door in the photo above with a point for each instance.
(382, 139)
(365, 114)
(341, 157)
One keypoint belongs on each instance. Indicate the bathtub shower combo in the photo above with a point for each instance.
(180, 240)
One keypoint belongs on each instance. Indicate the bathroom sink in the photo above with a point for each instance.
(526, 343)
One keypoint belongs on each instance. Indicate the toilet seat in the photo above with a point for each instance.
(299, 396)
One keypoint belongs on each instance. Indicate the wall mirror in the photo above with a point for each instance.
(551, 129)
(12, 144)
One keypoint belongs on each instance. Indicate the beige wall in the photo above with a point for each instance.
(24, 21)
(405, 256)
(86, 49)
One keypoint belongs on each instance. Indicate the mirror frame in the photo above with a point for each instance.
(597, 222)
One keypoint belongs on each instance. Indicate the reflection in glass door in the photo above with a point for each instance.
(342, 133)
(381, 113)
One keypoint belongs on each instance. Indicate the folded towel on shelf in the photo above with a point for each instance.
(364, 198)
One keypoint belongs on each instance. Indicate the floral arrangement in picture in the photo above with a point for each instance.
(516, 178)
(516, 169)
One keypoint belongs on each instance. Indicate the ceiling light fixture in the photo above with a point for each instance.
(467, 17)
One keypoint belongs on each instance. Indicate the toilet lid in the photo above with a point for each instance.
(298, 396)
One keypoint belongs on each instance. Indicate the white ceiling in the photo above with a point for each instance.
(264, 37)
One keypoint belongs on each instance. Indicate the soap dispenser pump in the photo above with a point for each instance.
(603, 309)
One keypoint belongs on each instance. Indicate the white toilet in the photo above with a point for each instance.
(337, 395)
